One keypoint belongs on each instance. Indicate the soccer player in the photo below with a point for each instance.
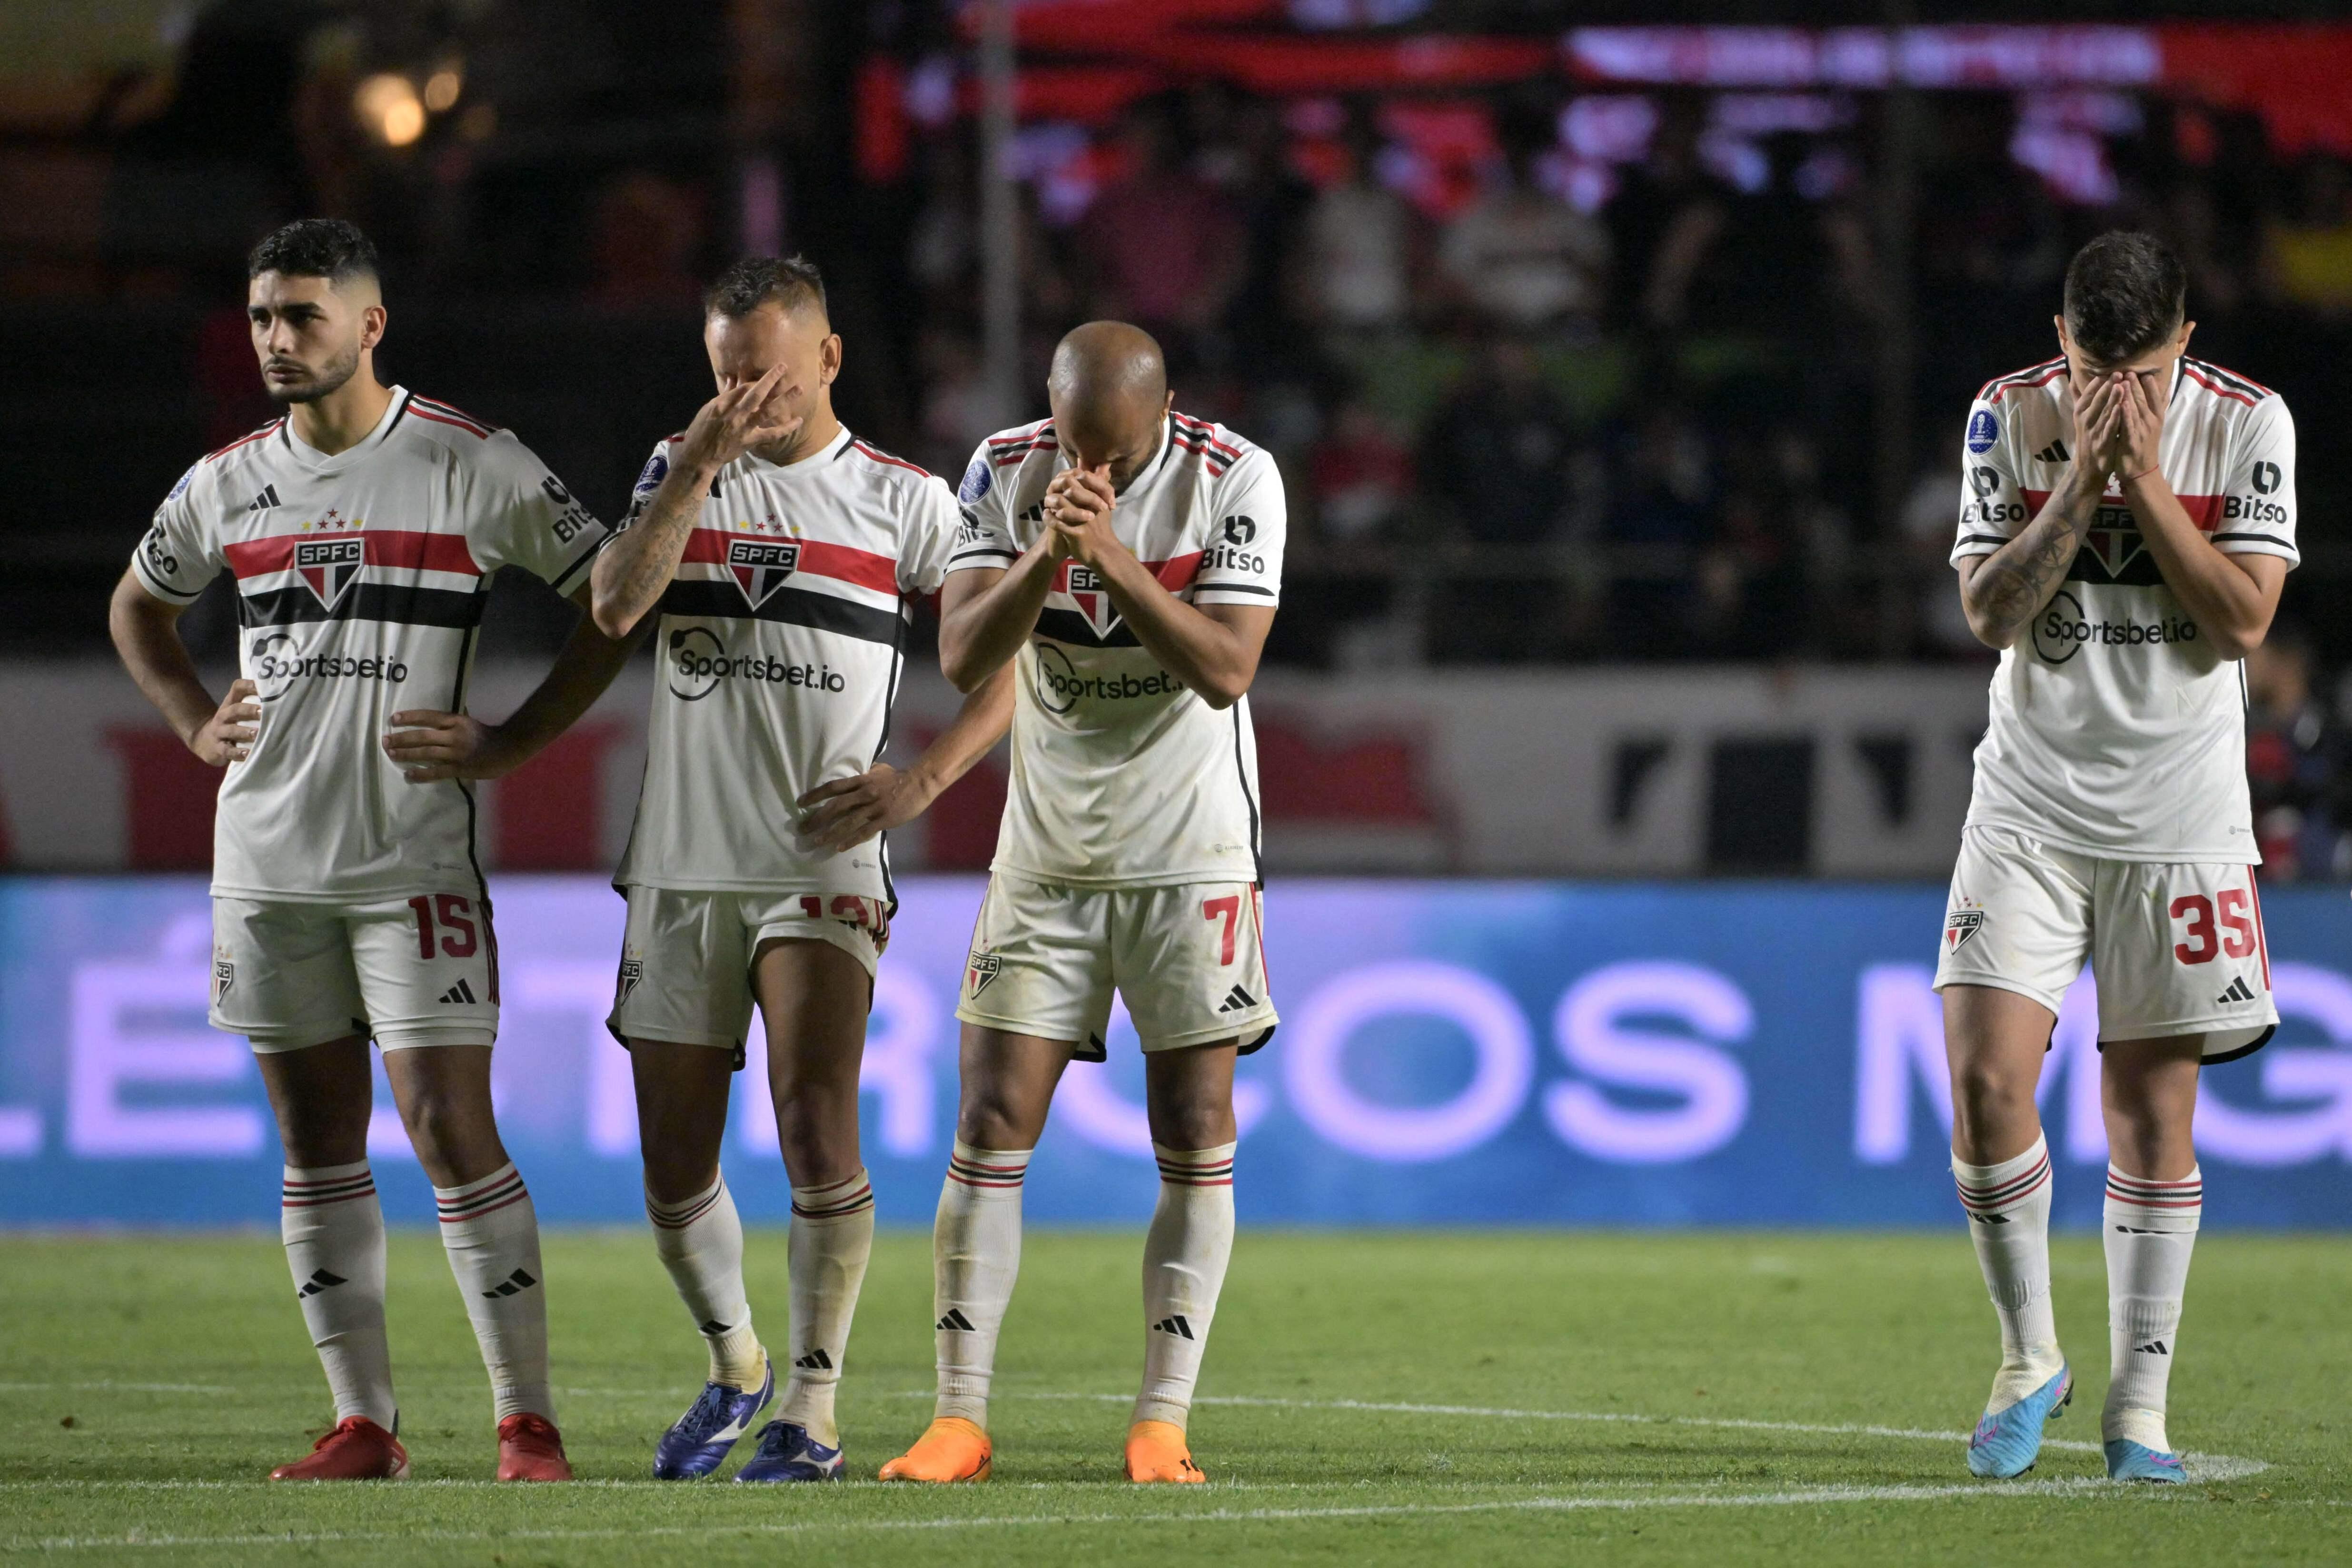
(781, 553)
(362, 529)
(2127, 523)
(1125, 559)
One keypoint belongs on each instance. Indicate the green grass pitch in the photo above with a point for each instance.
(1495, 1397)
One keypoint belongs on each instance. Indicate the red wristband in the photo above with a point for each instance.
(2144, 473)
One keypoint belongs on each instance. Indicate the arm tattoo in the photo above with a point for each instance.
(659, 540)
(2019, 578)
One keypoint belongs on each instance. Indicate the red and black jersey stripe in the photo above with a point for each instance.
(2033, 375)
(1004, 449)
(444, 413)
(2222, 384)
(867, 449)
(267, 429)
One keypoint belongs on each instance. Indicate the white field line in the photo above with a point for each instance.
(2201, 1467)
(1794, 1498)
(206, 1388)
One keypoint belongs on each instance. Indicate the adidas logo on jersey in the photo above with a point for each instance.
(2053, 453)
(955, 1320)
(1236, 1000)
(1173, 1325)
(461, 992)
(266, 499)
(2238, 991)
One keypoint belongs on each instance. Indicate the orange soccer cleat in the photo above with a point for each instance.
(951, 1449)
(1156, 1451)
(356, 1450)
(531, 1450)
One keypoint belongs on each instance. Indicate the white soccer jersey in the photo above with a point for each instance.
(2118, 730)
(780, 646)
(1122, 776)
(361, 579)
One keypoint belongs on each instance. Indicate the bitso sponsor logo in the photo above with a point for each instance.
(761, 565)
(1060, 685)
(330, 566)
(274, 662)
(2064, 629)
(698, 662)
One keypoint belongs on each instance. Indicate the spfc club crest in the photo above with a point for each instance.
(1960, 927)
(330, 566)
(1087, 592)
(2115, 547)
(982, 970)
(633, 970)
(761, 566)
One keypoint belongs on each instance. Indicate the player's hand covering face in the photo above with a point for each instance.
(2098, 419)
(744, 414)
(1078, 504)
(772, 366)
(2140, 404)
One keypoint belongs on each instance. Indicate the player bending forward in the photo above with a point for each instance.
(2127, 522)
(781, 553)
(361, 530)
(1125, 558)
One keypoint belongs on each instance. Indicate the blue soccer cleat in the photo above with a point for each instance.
(2007, 1444)
(2130, 1461)
(709, 1429)
(787, 1453)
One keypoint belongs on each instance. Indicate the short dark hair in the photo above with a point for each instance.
(791, 281)
(2126, 293)
(315, 247)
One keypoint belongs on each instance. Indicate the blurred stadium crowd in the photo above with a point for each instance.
(1556, 375)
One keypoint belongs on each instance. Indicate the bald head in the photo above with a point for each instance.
(1108, 390)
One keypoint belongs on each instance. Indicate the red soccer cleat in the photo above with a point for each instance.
(356, 1450)
(531, 1450)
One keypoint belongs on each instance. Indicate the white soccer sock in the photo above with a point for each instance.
(832, 1236)
(334, 1229)
(2009, 1219)
(975, 1259)
(1184, 1257)
(2150, 1230)
(701, 1242)
(492, 1233)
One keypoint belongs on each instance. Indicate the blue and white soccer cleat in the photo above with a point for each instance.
(787, 1453)
(2007, 1444)
(709, 1429)
(2130, 1461)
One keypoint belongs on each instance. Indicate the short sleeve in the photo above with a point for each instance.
(649, 480)
(177, 557)
(1243, 561)
(1992, 503)
(524, 517)
(2258, 497)
(983, 535)
(929, 538)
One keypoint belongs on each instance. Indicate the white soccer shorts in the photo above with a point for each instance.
(2178, 947)
(1189, 959)
(686, 958)
(421, 970)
